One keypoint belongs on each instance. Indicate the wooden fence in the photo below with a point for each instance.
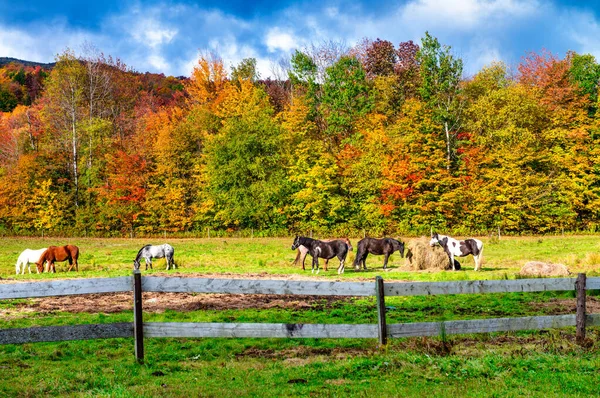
(380, 289)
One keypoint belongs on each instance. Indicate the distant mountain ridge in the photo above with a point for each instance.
(8, 60)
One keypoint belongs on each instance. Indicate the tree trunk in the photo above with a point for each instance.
(74, 144)
(447, 145)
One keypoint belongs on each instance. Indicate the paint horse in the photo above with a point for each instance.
(385, 246)
(326, 250)
(27, 257)
(303, 251)
(459, 248)
(59, 253)
(149, 252)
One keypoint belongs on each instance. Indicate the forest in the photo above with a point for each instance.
(376, 139)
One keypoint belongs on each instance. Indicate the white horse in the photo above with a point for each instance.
(459, 248)
(27, 257)
(149, 252)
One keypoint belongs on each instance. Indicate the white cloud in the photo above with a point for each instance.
(158, 62)
(465, 14)
(43, 43)
(278, 40)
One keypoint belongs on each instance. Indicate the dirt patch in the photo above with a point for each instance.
(569, 306)
(296, 354)
(159, 302)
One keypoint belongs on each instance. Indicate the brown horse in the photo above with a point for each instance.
(303, 251)
(59, 253)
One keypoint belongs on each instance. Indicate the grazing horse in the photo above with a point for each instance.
(303, 251)
(59, 253)
(27, 257)
(326, 250)
(384, 246)
(149, 252)
(459, 248)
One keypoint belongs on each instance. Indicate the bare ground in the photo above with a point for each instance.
(159, 302)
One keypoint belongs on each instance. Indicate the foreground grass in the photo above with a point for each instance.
(482, 367)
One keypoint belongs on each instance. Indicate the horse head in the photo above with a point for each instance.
(401, 248)
(296, 243)
(435, 239)
(136, 265)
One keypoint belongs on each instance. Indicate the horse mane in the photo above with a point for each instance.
(139, 254)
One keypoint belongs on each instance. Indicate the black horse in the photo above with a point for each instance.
(326, 250)
(376, 246)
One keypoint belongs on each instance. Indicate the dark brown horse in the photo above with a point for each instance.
(375, 246)
(303, 251)
(59, 253)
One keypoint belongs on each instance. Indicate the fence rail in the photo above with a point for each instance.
(139, 329)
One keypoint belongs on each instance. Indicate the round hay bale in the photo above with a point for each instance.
(421, 256)
(539, 269)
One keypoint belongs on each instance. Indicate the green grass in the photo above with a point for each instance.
(513, 366)
(542, 363)
(114, 257)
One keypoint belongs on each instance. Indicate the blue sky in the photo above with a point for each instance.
(167, 36)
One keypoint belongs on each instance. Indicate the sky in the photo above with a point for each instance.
(168, 36)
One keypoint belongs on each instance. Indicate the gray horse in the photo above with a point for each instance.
(149, 252)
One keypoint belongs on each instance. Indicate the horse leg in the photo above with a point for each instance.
(385, 261)
(300, 257)
(357, 260)
(477, 259)
(341, 267)
(452, 262)
(364, 261)
(326, 263)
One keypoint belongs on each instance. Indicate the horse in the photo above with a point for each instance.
(385, 246)
(27, 257)
(326, 250)
(149, 252)
(59, 253)
(459, 248)
(303, 251)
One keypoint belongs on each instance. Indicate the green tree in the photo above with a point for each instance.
(441, 75)
(346, 98)
(246, 70)
(245, 177)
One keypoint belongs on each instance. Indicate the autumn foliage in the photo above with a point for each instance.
(381, 138)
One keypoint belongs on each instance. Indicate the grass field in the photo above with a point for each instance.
(114, 257)
(543, 363)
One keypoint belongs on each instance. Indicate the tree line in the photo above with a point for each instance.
(376, 139)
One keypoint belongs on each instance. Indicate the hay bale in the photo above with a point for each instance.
(539, 269)
(421, 256)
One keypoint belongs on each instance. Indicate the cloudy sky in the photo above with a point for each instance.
(167, 36)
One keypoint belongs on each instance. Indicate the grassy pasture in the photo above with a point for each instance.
(114, 257)
(545, 363)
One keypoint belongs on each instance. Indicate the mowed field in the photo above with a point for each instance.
(541, 363)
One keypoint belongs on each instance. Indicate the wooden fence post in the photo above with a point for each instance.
(580, 317)
(138, 321)
(381, 310)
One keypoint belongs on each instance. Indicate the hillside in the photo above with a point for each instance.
(8, 60)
